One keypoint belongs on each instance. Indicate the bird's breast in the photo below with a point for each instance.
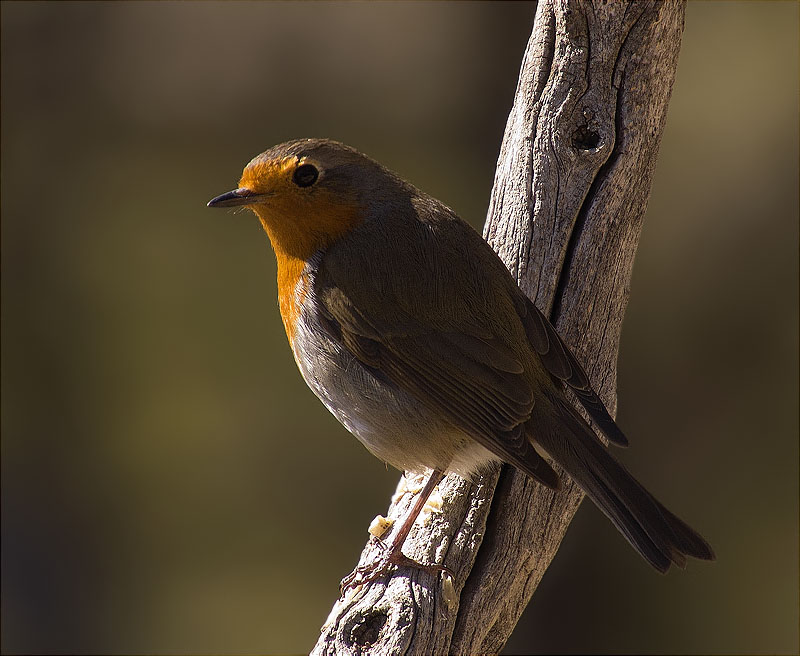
(292, 292)
(395, 426)
(365, 405)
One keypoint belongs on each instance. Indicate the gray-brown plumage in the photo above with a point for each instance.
(413, 333)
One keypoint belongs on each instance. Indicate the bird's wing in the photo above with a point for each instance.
(559, 360)
(443, 336)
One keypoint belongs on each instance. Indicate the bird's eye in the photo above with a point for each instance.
(305, 175)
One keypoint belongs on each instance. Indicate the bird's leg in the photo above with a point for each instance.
(393, 556)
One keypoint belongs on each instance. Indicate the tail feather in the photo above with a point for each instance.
(658, 535)
(691, 543)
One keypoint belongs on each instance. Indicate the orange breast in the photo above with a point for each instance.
(290, 296)
(296, 237)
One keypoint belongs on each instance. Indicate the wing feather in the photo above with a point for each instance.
(561, 363)
(453, 373)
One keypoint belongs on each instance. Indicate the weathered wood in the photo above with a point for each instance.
(571, 188)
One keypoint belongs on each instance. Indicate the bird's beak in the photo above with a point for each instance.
(236, 198)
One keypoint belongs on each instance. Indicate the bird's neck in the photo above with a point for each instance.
(291, 291)
(293, 249)
(291, 258)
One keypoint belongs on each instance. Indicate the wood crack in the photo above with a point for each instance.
(586, 207)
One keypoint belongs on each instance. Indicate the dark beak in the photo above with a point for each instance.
(236, 198)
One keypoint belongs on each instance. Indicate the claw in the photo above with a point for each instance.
(386, 562)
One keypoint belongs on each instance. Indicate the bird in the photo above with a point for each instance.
(416, 337)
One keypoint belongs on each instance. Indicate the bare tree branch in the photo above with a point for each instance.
(571, 188)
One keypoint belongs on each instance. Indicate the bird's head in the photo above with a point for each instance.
(310, 192)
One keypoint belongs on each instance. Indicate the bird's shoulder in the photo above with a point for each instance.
(417, 259)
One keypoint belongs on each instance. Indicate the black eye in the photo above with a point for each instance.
(305, 175)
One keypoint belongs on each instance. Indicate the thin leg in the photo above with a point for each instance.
(433, 480)
(393, 556)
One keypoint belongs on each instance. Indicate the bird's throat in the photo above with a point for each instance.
(291, 292)
(296, 240)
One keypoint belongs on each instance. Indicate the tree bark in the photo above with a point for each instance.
(571, 188)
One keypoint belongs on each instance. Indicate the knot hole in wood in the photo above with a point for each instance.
(366, 632)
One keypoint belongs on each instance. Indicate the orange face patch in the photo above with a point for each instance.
(267, 176)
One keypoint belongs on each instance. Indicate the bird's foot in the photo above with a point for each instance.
(392, 557)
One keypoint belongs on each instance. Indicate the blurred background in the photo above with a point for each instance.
(169, 483)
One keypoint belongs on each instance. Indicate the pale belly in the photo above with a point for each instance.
(392, 424)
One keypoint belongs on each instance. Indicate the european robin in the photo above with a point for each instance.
(412, 332)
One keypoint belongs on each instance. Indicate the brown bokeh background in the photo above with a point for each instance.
(171, 486)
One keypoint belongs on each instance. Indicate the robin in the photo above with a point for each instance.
(412, 332)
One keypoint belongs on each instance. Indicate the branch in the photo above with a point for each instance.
(571, 188)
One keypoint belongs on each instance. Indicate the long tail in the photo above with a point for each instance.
(658, 535)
